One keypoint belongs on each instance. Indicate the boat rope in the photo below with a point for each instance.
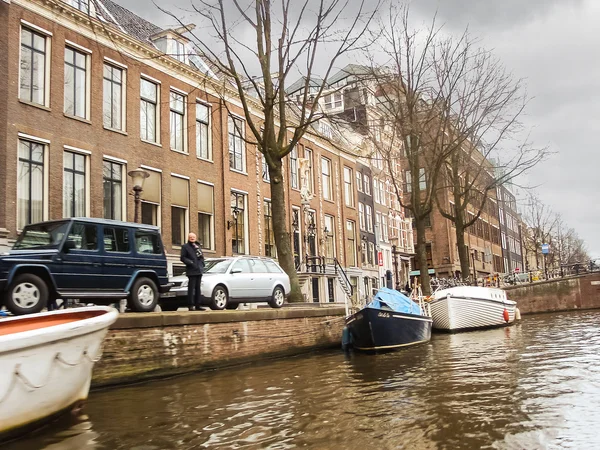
(18, 373)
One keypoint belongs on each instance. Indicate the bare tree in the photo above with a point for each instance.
(286, 41)
(567, 248)
(541, 223)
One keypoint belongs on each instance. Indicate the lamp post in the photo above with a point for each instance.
(137, 176)
(395, 263)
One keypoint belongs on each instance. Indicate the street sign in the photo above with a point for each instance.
(380, 258)
(545, 249)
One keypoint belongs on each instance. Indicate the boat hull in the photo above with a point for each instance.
(462, 314)
(374, 329)
(46, 371)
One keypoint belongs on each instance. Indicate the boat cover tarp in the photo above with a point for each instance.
(394, 300)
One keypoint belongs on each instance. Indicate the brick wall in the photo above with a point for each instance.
(144, 346)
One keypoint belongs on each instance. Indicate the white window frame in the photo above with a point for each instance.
(239, 132)
(157, 107)
(123, 85)
(199, 124)
(45, 183)
(77, 49)
(47, 35)
(183, 114)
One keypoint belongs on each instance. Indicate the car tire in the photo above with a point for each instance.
(27, 294)
(278, 298)
(219, 298)
(232, 305)
(144, 295)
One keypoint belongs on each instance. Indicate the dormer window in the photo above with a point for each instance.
(179, 50)
(81, 5)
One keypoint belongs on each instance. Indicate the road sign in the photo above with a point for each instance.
(545, 249)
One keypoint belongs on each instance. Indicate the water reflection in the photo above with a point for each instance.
(534, 385)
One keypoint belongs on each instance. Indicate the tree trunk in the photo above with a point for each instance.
(463, 251)
(421, 251)
(283, 242)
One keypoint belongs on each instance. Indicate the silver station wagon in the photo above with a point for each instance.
(229, 281)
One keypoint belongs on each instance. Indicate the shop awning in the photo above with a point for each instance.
(416, 273)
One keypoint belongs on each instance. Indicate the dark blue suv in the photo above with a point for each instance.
(95, 260)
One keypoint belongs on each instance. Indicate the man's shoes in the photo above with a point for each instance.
(190, 308)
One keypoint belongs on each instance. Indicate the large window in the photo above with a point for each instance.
(113, 190)
(367, 184)
(151, 196)
(348, 188)
(149, 111)
(177, 106)
(422, 179)
(75, 83)
(238, 210)
(326, 179)
(308, 154)
(30, 183)
(369, 218)
(203, 149)
(269, 234)
(74, 185)
(294, 168)
(361, 215)
(359, 181)
(32, 77)
(112, 110)
(237, 156)
(206, 215)
(351, 244)
(179, 208)
(81, 5)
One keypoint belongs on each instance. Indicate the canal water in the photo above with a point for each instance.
(533, 385)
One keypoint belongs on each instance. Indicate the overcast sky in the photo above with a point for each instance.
(553, 45)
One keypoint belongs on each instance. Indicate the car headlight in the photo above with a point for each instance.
(184, 283)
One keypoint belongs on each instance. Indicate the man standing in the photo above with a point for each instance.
(192, 257)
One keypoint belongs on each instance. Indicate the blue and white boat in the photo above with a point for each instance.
(390, 321)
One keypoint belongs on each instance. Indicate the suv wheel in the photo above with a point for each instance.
(27, 294)
(278, 298)
(144, 295)
(219, 298)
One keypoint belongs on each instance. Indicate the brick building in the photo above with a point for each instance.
(92, 91)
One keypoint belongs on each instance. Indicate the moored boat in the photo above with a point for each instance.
(46, 363)
(471, 307)
(389, 322)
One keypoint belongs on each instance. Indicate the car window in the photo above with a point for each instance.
(147, 242)
(273, 267)
(116, 239)
(216, 265)
(84, 235)
(42, 235)
(258, 266)
(243, 265)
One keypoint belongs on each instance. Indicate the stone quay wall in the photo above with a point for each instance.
(140, 347)
(563, 294)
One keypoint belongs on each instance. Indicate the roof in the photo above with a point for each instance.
(350, 69)
(299, 84)
(129, 22)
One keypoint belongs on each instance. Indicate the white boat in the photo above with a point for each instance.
(471, 307)
(46, 363)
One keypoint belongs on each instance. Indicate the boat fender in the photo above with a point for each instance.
(517, 314)
(346, 339)
(506, 315)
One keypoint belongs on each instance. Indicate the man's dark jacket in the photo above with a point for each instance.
(194, 265)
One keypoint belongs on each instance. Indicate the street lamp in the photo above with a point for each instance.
(234, 214)
(395, 264)
(137, 176)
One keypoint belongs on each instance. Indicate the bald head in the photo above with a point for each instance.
(191, 237)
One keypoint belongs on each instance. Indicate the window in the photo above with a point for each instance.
(326, 179)
(376, 196)
(359, 182)
(74, 185)
(112, 112)
(348, 188)
(81, 5)
(237, 157)
(367, 184)
(361, 216)
(206, 215)
(382, 189)
(116, 239)
(328, 101)
(179, 50)
(422, 179)
(503, 240)
(371, 255)
(151, 196)
(408, 178)
(177, 105)
(32, 77)
(351, 243)
(384, 225)
(149, 112)
(265, 170)
(329, 232)
(294, 168)
(272, 267)
(147, 242)
(30, 183)
(243, 265)
(203, 150)
(308, 155)
(179, 208)
(113, 190)
(369, 218)
(75, 83)
(84, 235)
(238, 238)
(378, 225)
(363, 253)
(269, 234)
(337, 99)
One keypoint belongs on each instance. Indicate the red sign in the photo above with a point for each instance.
(516, 269)
(380, 257)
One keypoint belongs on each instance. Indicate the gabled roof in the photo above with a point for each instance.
(129, 22)
(350, 69)
(299, 84)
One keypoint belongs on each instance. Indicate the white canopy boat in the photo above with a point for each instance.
(46, 363)
(471, 307)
